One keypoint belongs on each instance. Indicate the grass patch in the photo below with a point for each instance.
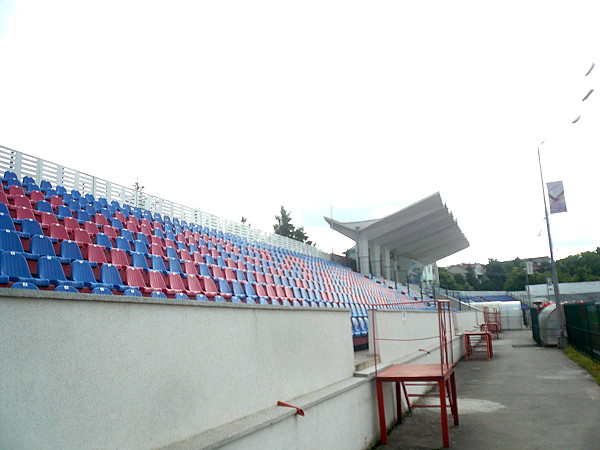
(584, 361)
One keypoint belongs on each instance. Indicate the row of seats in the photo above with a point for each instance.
(52, 238)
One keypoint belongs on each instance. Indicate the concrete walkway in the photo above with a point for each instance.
(526, 397)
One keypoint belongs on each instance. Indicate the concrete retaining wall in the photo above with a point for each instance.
(101, 372)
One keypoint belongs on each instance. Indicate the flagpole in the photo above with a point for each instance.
(561, 319)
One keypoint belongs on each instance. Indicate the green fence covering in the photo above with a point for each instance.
(583, 327)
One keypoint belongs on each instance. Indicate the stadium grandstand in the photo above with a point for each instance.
(82, 257)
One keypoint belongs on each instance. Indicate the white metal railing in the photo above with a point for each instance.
(23, 164)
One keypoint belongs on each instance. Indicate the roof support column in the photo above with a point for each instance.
(385, 262)
(363, 256)
(375, 257)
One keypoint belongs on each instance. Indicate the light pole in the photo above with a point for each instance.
(561, 320)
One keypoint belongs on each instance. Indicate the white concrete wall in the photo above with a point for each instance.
(143, 374)
(98, 372)
(419, 325)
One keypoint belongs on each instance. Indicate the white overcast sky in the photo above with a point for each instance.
(360, 108)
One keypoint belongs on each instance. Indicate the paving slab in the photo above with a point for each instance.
(526, 397)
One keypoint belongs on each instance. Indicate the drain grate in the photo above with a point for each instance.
(524, 345)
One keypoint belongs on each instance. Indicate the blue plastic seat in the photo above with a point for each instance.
(50, 268)
(139, 236)
(102, 291)
(64, 211)
(219, 298)
(81, 271)
(110, 276)
(66, 288)
(24, 285)
(171, 253)
(103, 240)
(6, 222)
(116, 223)
(235, 299)
(11, 242)
(14, 266)
(158, 294)
(123, 244)
(31, 227)
(201, 297)
(44, 185)
(4, 209)
(131, 292)
(70, 250)
(127, 235)
(84, 216)
(158, 264)
(40, 245)
(175, 266)
(204, 270)
(140, 247)
(181, 296)
(139, 260)
(238, 290)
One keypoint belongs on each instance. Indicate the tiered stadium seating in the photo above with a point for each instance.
(74, 243)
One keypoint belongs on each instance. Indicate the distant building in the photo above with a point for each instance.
(461, 269)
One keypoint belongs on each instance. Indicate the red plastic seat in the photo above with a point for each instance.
(101, 219)
(36, 196)
(210, 288)
(229, 275)
(3, 197)
(70, 224)
(82, 237)
(97, 254)
(119, 258)
(56, 201)
(21, 200)
(157, 282)
(145, 229)
(47, 219)
(217, 272)
(195, 284)
(132, 226)
(260, 278)
(170, 243)
(23, 213)
(58, 231)
(198, 259)
(91, 228)
(176, 284)
(184, 255)
(119, 215)
(15, 191)
(190, 268)
(134, 278)
(111, 232)
(156, 249)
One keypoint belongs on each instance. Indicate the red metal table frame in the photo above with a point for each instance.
(484, 339)
(443, 375)
(492, 328)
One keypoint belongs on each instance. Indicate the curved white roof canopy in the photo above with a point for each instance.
(424, 231)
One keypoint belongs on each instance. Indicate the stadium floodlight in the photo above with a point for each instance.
(587, 95)
(590, 69)
(576, 119)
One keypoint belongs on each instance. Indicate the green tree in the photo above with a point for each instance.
(284, 227)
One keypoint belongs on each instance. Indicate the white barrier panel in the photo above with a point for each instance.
(141, 374)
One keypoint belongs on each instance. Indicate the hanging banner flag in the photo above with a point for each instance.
(556, 193)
